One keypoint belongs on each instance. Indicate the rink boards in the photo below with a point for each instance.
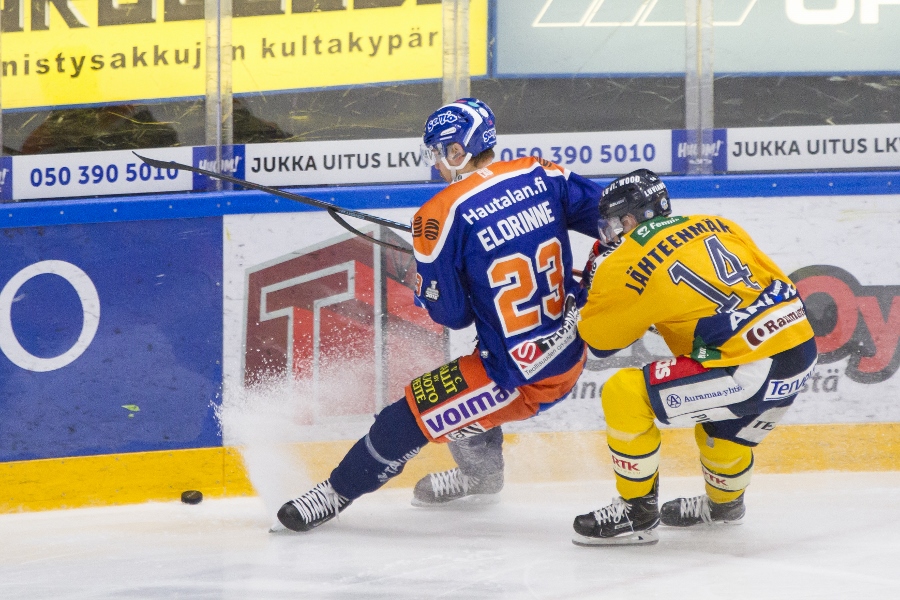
(530, 458)
(128, 324)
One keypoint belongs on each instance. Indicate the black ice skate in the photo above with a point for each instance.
(447, 486)
(687, 512)
(318, 505)
(622, 523)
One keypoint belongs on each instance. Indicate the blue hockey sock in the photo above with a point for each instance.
(393, 439)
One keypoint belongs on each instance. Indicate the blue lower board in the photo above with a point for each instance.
(116, 338)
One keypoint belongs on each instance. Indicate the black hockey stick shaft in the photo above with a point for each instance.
(340, 221)
(166, 164)
(332, 209)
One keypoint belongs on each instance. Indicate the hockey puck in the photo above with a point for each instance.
(192, 497)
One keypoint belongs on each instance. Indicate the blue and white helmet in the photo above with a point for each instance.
(468, 122)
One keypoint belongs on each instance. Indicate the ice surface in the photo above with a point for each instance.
(815, 536)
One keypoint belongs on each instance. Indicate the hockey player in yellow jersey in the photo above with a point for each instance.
(742, 350)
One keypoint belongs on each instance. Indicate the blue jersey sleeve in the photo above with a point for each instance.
(443, 292)
(582, 201)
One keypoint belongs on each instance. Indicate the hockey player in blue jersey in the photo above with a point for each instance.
(492, 250)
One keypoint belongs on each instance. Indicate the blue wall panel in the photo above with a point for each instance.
(157, 347)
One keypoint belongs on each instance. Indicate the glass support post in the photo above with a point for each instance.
(456, 82)
(219, 123)
(698, 85)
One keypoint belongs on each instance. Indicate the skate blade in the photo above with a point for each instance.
(465, 501)
(702, 525)
(648, 537)
(277, 527)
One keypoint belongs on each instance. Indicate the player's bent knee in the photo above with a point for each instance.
(395, 432)
(626, 404)
(722, 455)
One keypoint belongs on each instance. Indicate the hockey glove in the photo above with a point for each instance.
(590, 267)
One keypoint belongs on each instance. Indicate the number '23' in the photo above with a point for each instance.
(515, 276)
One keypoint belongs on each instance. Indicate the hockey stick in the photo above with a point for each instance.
(332, 209)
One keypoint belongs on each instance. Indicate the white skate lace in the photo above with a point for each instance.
(695, 507)
(614, 512)
(320, 501)
(449, 482)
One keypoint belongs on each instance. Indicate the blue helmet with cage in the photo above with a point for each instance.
(468, 122)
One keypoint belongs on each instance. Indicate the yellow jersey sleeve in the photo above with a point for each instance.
(705, 285)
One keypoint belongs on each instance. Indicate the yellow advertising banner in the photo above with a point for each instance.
(82, 52)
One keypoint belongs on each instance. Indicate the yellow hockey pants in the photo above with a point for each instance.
(634, 442)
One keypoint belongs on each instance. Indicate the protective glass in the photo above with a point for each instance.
(432, 154)
(609, 230)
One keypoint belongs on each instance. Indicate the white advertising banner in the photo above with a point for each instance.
(337, 162)
(593, 153)
(852, 293)
(279, 268)
(814, 147)
(114, 172)
(320, 329)
(398, 160)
